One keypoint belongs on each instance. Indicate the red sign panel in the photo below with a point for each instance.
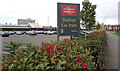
(67, 10)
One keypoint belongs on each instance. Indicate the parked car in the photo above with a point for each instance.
(18, 32)
(42, 32)
(4, 33)
(11, 32)
(39, 32)
(86, 32)
(48, 32)
(54, 32)
(45, 32)
(23, 32)
(31, 33)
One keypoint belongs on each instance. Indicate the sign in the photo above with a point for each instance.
(68, 20)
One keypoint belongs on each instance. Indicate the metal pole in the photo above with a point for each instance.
(57, 33)
(79, 34)
(57, 37)
(48, 20)
(85, 35)
(71, 37)
(37, 25)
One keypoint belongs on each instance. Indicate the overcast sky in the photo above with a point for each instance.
(11, 10)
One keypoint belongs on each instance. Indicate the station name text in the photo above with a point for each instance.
(68, 22)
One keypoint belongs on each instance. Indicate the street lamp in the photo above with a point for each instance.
(48, 20)
(37, 25)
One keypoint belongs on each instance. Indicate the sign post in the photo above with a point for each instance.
(68, 19)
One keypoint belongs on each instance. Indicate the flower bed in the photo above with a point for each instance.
(64, 55)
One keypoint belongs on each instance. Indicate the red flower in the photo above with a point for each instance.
(72, 69)
(0, 64)
(67, 46)
(80, 62)
(56, 53)
(52, 53)
(48, 47)
(40, 48)
(61, 48)
(41, 53)
(43, 42)
(48, 50)
(48, 54)
(66, 39)
(55, 50)
(77, 58)
(68, 59)
(84, 65)
(52, 47)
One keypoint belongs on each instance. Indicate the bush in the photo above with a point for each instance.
(66, 55)
(11, 47)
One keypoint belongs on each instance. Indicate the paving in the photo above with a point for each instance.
(111, 51)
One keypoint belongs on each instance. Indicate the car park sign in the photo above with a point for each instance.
(68, 19)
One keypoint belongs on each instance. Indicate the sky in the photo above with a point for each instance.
(45, 11)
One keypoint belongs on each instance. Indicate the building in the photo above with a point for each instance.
(29, 27)
(25, 21)
(14, 27)
(34, 25)
(112, 27)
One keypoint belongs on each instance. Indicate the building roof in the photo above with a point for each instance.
(14, 26)
(35, 25)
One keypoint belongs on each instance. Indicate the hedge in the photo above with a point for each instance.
(63, 55)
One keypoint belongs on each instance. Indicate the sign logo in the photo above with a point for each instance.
(67, 10)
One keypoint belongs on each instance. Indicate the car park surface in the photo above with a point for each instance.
(36, 40)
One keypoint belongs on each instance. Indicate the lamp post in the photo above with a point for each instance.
(48, 20)
(37, 25)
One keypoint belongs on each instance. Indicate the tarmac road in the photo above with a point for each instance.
(111, 51)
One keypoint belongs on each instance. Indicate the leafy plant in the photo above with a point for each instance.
(64, 55)
(11, 47)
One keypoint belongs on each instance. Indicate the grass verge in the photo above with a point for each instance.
(116, 33)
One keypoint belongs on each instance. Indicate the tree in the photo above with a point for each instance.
(88, 14)
(98, 26)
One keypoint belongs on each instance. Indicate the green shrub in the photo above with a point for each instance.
(66, 55)
(11, 47)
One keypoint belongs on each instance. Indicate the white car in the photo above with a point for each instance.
(18, 32)
(48, 32)
(54, 32)
(31, 33)
(86, 32)
(39, 32)
(11, 32)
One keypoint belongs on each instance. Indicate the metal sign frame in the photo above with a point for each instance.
(68, 19)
